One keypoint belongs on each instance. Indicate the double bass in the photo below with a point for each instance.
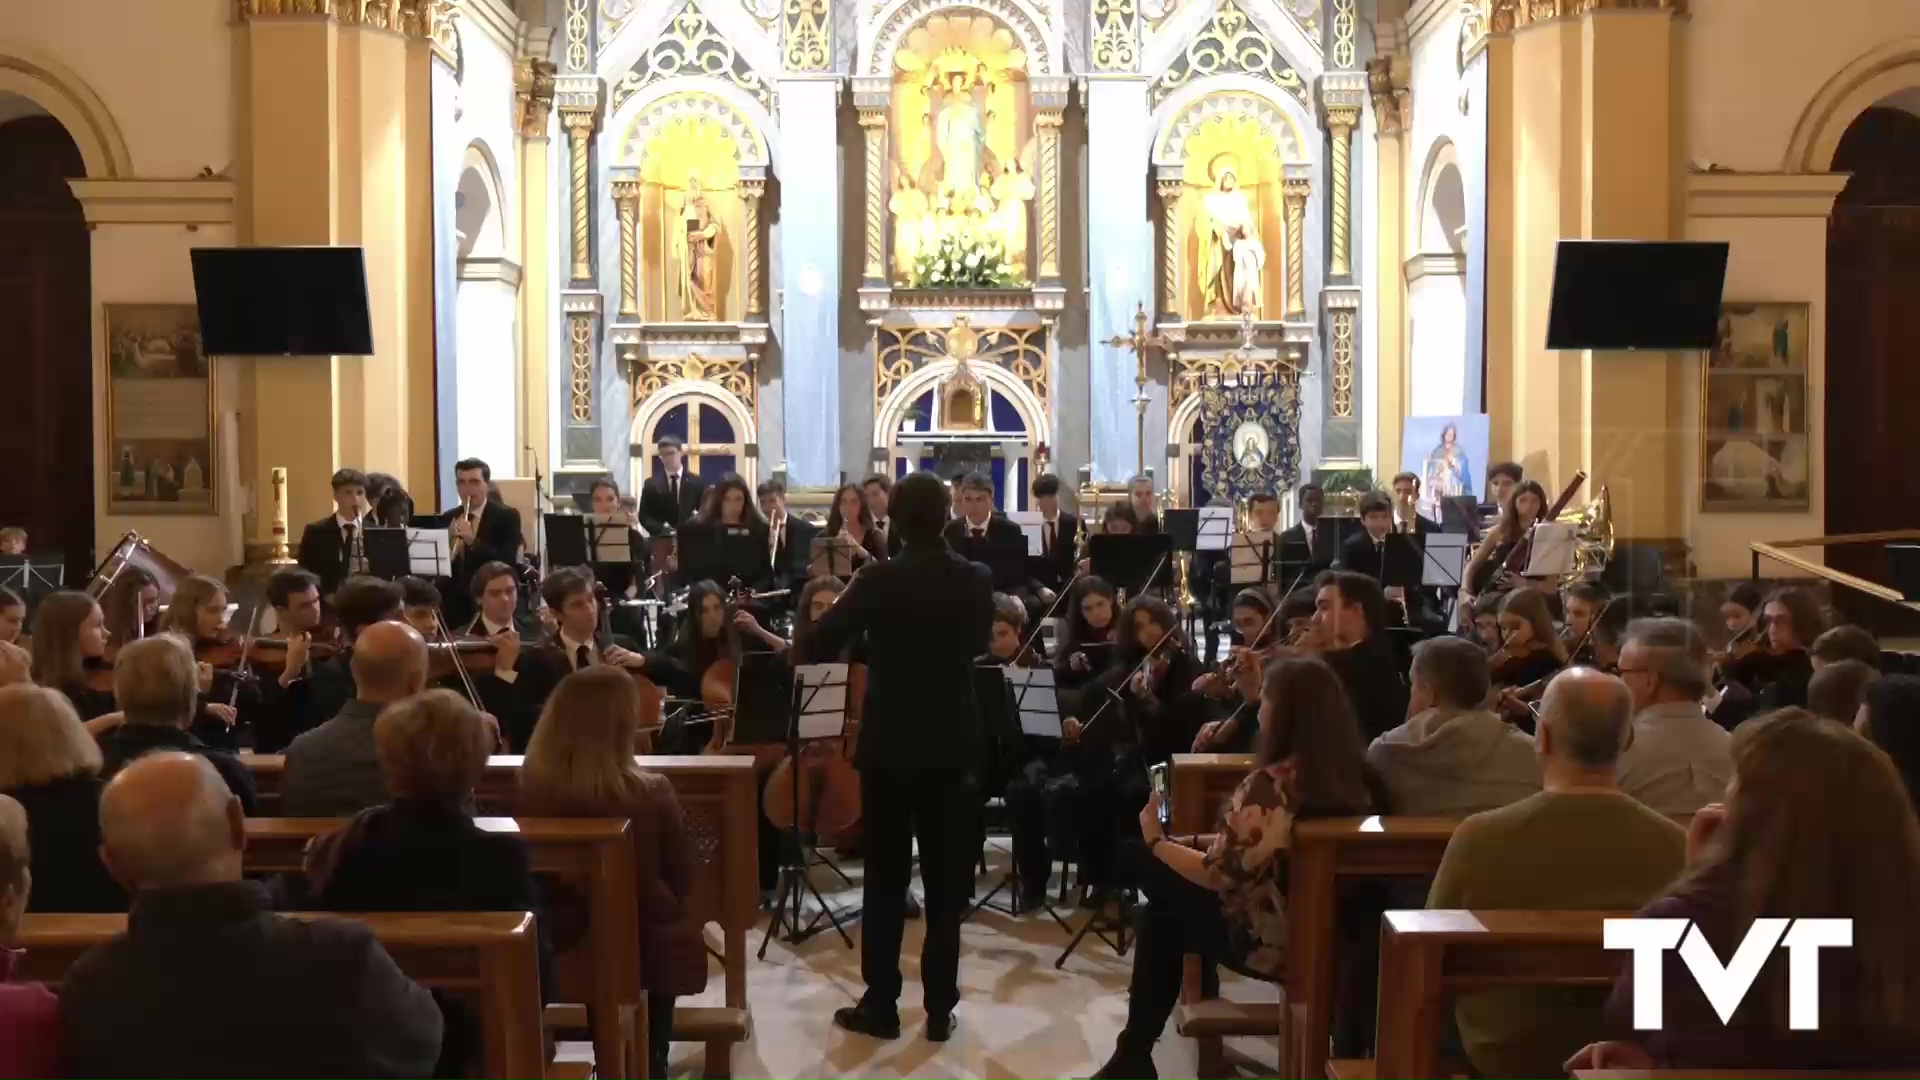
(821, 791)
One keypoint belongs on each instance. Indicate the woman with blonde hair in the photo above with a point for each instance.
(69, 652)
(50, 765)
(1817, 824)
(580, 763)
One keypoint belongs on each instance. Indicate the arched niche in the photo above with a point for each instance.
(478, 209)
(1869, 80)
(68, 99)
(1016, 424)
(1437, 290)
(1443, 202)
(897, 19)
(713, 423)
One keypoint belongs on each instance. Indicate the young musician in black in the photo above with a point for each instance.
(484, 529)
(1087, 634)
(877, 489)
(983, 536)
(1059, 540)
(926, 615)
(1254, 629)
(669, 500)
(1140, 496)
(282, 707)
(1163, 712)
(1026, 763)
(1530, 652)
(328, 547)
(1303, 543)
(1375, 552)
(1486, 568)
(1349, 620)
(728, 538)
(789, 536)
(1406, 508)
(576, 643)
(850, 519)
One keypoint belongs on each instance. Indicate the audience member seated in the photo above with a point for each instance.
(1847, 642)
(157, 684)
(580, 764)
(1817, 823)
(1677, 761)
(1836, 689)
(334, 770)
(51, 766)
(1581, 844)
(207, 981)
(29, 1013)
(1222, 898)
(16, 664)
(422, 851)
(1452, 757)
(1890, 716)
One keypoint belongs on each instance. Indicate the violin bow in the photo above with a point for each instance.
(453, 651)
(244, 669)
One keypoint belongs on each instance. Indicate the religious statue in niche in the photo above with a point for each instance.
(1233, 259)
(960, 132)
(697, 250)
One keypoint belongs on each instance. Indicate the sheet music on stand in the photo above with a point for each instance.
(822, 691)
(430, 553)
(1036, 700)
(1032, 523)
(1250, 558)
(609, 538)
(1443, 560)
(1216, 528)
(1553, 549)
(831, 556)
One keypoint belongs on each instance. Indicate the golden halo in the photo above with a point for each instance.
(1221, 164)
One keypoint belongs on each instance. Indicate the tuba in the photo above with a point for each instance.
(1593, 538)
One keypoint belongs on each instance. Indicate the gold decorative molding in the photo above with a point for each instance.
(1392, 101)
(1342, 353)
(375, 14)
(1116, 35)
(1230, 43)
(626, 200)
(580, 124)
(1046, 125)
(873, 126)
(734, 374)
(1345, 27)
(533, 83)
(1341, 121)
(1194, 372)
(613, 18)
(1294, 194)
(806, 35)
(263, 9)
(899, 351)
(579, 27)
(752, 191)
(1170, 192)
(691, 46)
(580, 380)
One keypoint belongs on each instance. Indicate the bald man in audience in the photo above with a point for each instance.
(334, 770)
(206, 980)
(1581, 844)
(157, 685)
(1680, 760)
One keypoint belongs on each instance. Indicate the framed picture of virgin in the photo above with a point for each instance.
(1754, 422)
(161, 444)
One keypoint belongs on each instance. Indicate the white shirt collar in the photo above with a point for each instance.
(572, 648)
(341, 523)
(488, 628)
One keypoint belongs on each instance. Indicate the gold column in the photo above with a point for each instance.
(1294, 192)
(1341, 351)
(626, 199)
(752, 191)
(873, 126)
(580, 124)
(1047, 126)
(1170, 192)
(1340, 122)
(533, 100)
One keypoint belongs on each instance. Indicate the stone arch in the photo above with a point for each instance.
(1184, 112)
(479, 209)
(692, 393)
(1867, 81)
(1442, 210)
(893, 411)
(896, 18)
(671, 99)
(68, 99)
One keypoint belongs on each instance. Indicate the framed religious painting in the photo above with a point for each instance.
(161, 443)
(1755, 429)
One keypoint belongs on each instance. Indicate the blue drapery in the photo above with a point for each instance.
(1252, 437)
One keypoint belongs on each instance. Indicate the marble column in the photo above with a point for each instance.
(807, 322)
(626, 201)
(1296, 185)
(1341, 121)
(752, 190)
(579, 99)
(1120, 265)
(1386, 81)
(533, 117)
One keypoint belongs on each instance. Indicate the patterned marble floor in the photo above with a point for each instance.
(1019, 1016)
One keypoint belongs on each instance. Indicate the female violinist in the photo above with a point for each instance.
(69, 652)
(1486, 621)
(1087, 636)
(1162, 712)
(1529, 651)
(13, 617)
(727, 508)
(1741, 614)
(1793, 621)
(198, 613)
(1255, 628)
(1487, 569)
(851, 519)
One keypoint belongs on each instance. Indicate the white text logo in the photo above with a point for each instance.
(1726, 985)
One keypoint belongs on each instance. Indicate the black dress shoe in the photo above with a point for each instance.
(857, 1019)
(939, 1027)
(1126, 1065)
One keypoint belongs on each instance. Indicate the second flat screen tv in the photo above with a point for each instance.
(1626, 294)
(282, 301)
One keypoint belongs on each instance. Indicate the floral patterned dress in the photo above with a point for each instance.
(1250, 852)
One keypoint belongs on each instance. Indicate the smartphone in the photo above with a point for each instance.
(1157, 776)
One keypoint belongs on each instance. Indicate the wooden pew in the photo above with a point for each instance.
(490, 957)
(1427, 957)
(718, 797)
(594, 857)
(1202, 784)
(1730, 1074)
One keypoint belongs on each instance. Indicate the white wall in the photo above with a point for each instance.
(1439, 380)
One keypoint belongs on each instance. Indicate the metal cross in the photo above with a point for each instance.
(1139, 343)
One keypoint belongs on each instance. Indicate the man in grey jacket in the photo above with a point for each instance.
(1679, 760)
(1452, 757)
(333, 770)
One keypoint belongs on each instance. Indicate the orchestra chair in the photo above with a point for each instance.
(490, 958)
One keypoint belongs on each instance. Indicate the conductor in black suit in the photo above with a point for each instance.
(925, 614)
(669, 500)
(328, 546)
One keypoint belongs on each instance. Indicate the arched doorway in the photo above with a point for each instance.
(46, 337)
(485, 304)
(1872, 337)
(1437, 293)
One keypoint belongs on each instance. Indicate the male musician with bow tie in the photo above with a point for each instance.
(333, 547)
(483, 530)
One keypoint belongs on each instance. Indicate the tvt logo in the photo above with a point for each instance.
(1726, 985)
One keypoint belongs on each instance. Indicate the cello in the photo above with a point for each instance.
(820, 793)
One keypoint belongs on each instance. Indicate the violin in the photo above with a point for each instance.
(465, 652)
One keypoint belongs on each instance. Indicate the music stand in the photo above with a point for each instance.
(1443, 560)
(993, 691)
(1250, 559)
(386, 552)
(33, 576)
(1553, 550)
(1033, 524)
(567, 540)
(1036, 701)
(830, 556)
(1006, 561)
(1183, 525)
(1460, 514)
(1128, 560)
(818, 710)
(1215, 529)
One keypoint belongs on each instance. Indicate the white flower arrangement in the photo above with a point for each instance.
(962, 260)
